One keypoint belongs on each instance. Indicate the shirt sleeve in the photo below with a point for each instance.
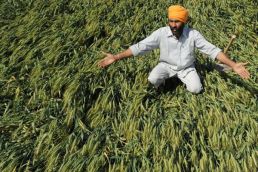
(206, 47)
(146, 45)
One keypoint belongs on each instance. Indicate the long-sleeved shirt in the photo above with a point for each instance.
(179, 53)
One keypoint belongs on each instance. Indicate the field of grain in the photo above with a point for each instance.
(60, 112)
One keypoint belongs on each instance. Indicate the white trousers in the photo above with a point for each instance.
(188, 76)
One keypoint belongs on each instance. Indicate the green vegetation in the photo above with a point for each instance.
(60, 112)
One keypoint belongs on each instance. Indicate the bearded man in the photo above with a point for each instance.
(177, 43)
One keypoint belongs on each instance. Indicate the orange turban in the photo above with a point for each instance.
(178, 12)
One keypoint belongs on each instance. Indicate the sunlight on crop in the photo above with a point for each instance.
(60, 112)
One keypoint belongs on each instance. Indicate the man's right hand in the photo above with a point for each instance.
(109, 59)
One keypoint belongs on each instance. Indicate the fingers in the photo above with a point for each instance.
(243, 64)
(104, 53)
(242, 71)
(244, 74)
(102, 63)
(105, 62)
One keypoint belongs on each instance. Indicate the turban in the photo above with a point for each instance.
(178, 12)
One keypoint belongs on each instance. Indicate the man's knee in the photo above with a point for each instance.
(196, 88)
(156, 81)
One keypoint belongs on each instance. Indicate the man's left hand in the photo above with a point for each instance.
(240, 69)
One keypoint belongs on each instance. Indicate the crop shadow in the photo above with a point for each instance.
(240, 83)
(171, 84)
(204, 68)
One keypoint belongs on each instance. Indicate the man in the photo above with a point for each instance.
(177, 43)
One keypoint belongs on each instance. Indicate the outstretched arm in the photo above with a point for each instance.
(111, 58)
(142, 47)
(238, 68)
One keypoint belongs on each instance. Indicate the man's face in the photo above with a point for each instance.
(176, 26)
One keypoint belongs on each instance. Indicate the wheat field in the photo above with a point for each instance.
(60, 112)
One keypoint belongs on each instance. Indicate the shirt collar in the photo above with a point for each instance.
(185, 31)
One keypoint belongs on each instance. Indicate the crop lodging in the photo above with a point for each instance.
(60, 112)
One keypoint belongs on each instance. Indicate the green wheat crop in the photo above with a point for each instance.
(60, 112)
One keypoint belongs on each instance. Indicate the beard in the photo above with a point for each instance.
(177, 31)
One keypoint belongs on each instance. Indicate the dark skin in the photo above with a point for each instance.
(176, 27)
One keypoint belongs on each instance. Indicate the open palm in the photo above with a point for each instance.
(109, 59)
(240, 69)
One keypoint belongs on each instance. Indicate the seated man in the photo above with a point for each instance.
(177, 43)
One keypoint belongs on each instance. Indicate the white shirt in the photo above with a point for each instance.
(178, 53)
